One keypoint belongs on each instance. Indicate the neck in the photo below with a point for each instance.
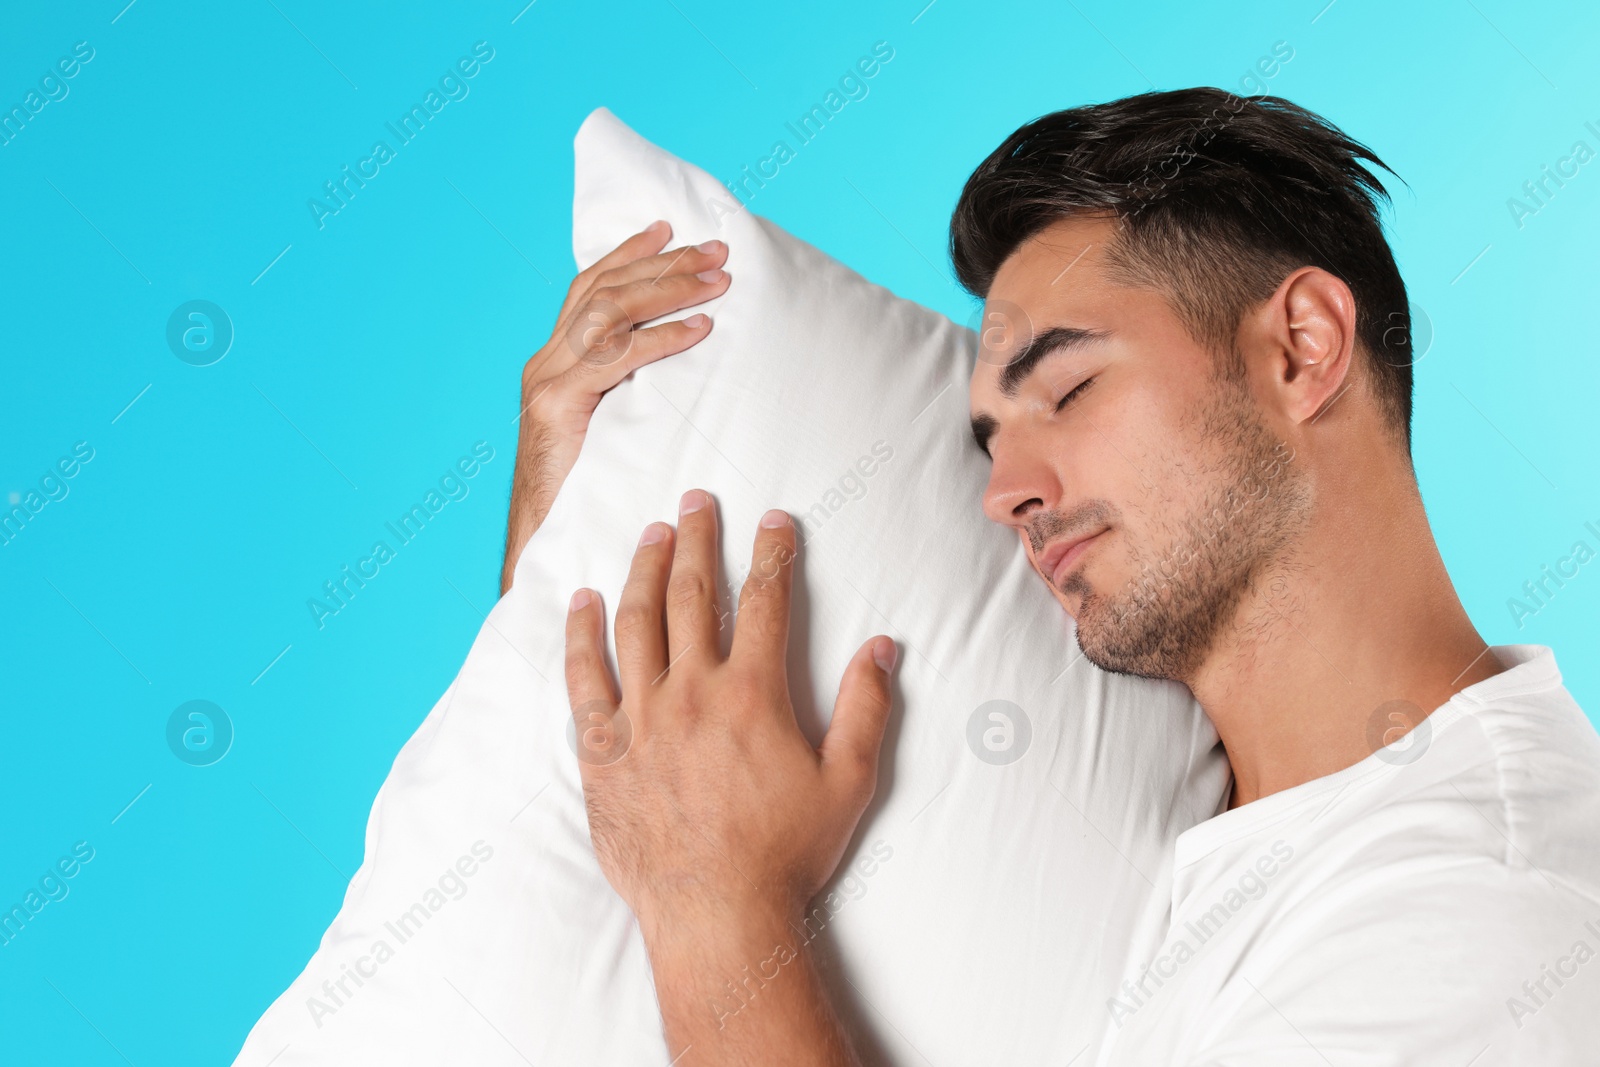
(1343, 644)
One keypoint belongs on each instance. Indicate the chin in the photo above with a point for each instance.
(1070, 603)
(1075, 594)
(1110, 640)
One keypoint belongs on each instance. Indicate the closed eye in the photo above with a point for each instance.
(1077, 391)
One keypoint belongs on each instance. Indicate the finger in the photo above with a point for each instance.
(661, 341)
(761, 634)
(647, 242)
(601, 729)
(850, 748)
(684, 259)
(692, 619)
(601, 333)
(587, 679)
(641, 635)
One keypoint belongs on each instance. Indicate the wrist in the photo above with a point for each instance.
(710, 968)
(723, 932)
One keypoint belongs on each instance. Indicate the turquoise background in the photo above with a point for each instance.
(370, 354)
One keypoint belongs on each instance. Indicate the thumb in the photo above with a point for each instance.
(850, 749)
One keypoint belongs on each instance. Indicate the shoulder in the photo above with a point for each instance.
(1442, 910)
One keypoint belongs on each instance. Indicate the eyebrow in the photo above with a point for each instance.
(1051, 341)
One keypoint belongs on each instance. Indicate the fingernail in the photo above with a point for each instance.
(581, 599)
(710, 275)
(776, 519)
(652, 533)
(692, 502)
(884, 653)
(708, 246)
(659, 224)
(694, 322)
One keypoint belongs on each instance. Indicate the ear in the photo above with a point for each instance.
(1308, 331)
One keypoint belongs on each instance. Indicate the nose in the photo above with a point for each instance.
(1018, 486)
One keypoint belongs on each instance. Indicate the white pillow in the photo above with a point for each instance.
(983, 912)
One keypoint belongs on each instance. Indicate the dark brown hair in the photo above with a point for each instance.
(1218, 197)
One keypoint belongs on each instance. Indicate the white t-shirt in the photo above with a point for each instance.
(1436, 903)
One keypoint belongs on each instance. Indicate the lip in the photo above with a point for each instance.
(1058, 559)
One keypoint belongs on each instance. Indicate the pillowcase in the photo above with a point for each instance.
(1027, 801)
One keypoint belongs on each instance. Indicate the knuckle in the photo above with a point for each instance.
(547, 401)
(866, 780)
(634, 621)
(860, 776)
(689, 285)
(689, 590)
(745, 688)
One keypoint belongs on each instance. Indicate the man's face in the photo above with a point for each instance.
(1143, 480)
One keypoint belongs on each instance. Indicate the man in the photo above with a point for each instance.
(1195, 388)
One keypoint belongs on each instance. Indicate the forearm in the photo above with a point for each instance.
(745, 990)
(533, 489)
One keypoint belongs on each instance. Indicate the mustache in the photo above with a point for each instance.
(1046, 526)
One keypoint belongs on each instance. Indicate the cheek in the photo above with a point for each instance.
(1127, 447)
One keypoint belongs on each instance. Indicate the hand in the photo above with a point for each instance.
(707, 806)
(594, 346)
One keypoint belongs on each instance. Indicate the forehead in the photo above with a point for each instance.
(1065, 259)
(1055, 279)
(1062, 278)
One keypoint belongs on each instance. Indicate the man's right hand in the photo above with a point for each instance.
(593, 347)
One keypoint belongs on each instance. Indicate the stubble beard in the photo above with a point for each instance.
(1186, 592)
